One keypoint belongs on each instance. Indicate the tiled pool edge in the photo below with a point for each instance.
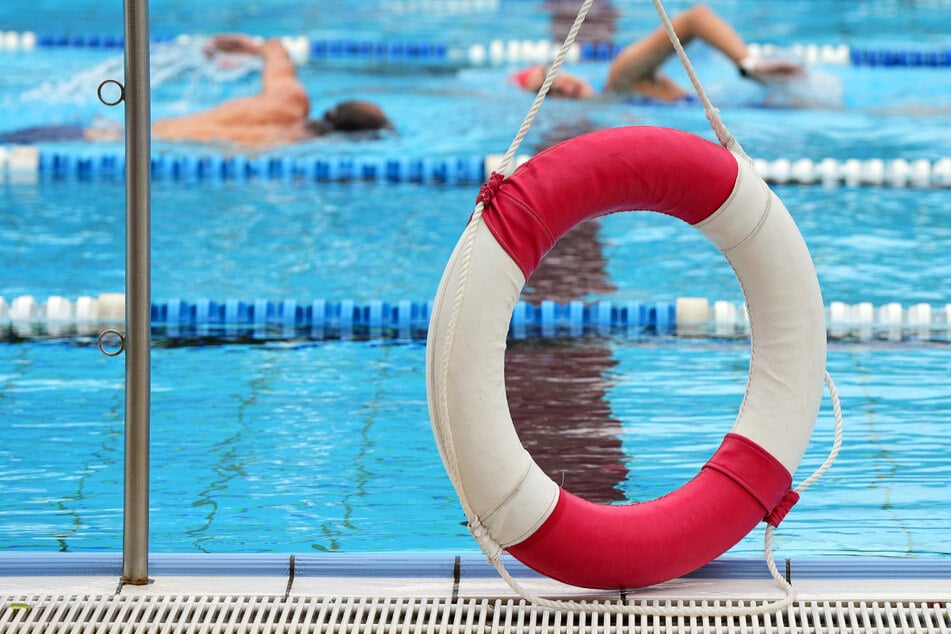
(54, 578)
(421, 565)
(435, 565)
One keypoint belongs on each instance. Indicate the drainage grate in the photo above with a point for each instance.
(172, 614)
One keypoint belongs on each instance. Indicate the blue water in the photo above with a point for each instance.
(296, 446)
(293, 448)
(310, 241)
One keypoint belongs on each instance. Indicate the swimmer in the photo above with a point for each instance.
(636, 69)
(277, 115)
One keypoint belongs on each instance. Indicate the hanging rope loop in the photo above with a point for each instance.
(543, 91)
(490, 547)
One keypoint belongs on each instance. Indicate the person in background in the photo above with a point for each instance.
(636, 69)
(277, 115)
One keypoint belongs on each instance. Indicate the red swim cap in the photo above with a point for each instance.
(520, 78)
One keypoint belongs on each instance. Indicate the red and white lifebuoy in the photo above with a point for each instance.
(747, 480)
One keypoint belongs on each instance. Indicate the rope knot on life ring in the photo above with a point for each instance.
(516, 506)
(490, 188)
(782, 509)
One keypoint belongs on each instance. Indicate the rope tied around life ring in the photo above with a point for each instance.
(490, 188)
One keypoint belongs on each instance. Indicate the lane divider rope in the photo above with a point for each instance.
(24, 162)
(26, 317)
(494, 52)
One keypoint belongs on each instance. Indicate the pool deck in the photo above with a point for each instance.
(448, 576)
(448, 593)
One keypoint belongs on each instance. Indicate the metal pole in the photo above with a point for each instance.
(135, 546)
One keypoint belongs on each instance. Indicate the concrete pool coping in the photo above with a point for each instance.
(448, 576)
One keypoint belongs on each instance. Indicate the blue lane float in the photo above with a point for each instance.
(89, 165)
(25, 318)
(86, 164)
(495, 52)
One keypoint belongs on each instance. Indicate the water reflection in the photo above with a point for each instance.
(557, 388)
(557, 396)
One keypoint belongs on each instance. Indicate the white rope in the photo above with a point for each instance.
(725, 137)
(836, 441)
(543, 91)
(805, 484)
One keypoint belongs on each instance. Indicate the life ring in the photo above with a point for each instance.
(747, 480)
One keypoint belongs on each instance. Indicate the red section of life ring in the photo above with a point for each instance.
(598, 546)
(681, 175)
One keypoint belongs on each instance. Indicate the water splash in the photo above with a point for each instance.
(181, 61)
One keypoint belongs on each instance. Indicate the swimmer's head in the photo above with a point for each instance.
(530, 78)
(564, 85)
(350, 116)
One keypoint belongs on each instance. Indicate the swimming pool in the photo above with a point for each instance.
(295, 445)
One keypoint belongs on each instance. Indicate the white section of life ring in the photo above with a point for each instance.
(760, 240)
(522, 495)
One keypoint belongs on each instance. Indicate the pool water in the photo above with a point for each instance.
(296, 446)
(327, 447)
(336, 241)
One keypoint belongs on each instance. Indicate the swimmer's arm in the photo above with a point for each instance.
(767, 71)
(103, 134)
(278, 67)
(279, 78)
(233, 43)
(283, 97)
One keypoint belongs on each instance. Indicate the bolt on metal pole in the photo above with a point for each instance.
(135, 543)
